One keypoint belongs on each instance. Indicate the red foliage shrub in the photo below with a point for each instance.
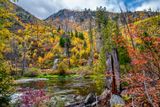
(32, 97)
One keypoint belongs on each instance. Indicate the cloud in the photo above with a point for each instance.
(153, 4)
(44, 8)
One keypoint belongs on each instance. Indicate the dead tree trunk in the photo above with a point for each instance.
(113, 72)
(91, 57)
(14, 59)
(109, 70)
(116, 69)
(24, 59)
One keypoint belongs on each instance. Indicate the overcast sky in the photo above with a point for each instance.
(44, 8)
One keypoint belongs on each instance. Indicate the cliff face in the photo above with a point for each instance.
(71, 19)
(79, 19)
(73, 15)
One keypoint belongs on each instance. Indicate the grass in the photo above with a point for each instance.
(57, 76)
(82, 71)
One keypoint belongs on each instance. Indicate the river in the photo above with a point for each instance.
(64, 89)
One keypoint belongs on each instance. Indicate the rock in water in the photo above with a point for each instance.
(116, 100)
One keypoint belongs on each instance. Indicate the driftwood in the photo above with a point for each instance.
(90, 101)
(77, 104)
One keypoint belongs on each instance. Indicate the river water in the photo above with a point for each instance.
(66, 89)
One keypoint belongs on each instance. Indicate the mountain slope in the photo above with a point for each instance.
(23, 15)
(152, 23)
(68, 17)
(74, 19)
(20, 17)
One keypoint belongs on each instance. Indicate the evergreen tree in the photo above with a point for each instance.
(76, 33)
(81, 36)
(59, 29)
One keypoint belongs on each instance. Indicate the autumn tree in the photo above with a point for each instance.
(5, 79)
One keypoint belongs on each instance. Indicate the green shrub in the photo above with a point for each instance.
(81, 36)
(4, 101)
(5, 84)
(100, 65)
(32, 72)
(48, 63)
(123, 56)
(63, 41)
(84, 45)
(62, 68)
(76, 33)
(124, 84)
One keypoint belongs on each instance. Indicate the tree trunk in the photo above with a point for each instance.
(24, 62)
(66, 49)
(91, 57)
(113, 72)
(109, 71)
(116, 67)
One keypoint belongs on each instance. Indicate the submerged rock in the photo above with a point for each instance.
(57, 101)
(15, 97)
(67, 100)
(79, 85)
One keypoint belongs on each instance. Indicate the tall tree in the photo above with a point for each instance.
(101, 21)
(91, 57)
(126, 24)
(5, 79)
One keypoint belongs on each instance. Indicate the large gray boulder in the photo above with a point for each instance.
(116, 101)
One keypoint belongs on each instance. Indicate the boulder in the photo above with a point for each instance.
(116, 101)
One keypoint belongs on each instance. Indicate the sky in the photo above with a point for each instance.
(44, 8)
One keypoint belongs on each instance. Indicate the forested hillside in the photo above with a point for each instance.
(79, 58)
